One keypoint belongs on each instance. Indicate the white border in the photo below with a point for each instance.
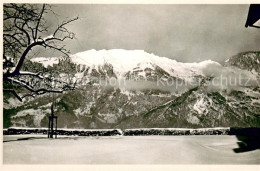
(116, 167)
(136, 1)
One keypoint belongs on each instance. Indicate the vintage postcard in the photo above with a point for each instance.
(130, 85)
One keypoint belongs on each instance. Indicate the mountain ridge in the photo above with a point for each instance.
(184, 95)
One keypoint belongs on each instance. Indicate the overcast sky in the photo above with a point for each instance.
(186, 33)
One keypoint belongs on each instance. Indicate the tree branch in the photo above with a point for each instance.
(39, 20)
(21, 61)
(60, 49)
(32, 74)
(14, 93)
(63, 24)
(23, 27)
(13, 37)
(24, 31)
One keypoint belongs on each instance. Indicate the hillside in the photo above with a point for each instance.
(131, 89)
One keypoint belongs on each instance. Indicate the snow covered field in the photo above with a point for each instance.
(199, 149)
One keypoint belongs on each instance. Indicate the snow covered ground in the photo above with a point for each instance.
(199, 149)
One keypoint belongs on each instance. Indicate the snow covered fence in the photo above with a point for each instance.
(90, 132)
(126, 132)
(78, 132)
(176, 131)
(17, 131)
(5, 131)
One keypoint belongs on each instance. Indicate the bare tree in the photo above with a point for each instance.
(24, 30)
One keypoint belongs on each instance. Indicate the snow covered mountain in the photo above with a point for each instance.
(121, 63)
(246, 60)
(129, 89)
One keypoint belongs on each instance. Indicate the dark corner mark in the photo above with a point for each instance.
(248, 139)
(253, 15)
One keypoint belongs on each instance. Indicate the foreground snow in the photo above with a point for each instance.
(208, 149)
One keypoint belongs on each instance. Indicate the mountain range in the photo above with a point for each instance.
(134, 89)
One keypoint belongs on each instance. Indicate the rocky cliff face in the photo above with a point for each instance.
(133, 89)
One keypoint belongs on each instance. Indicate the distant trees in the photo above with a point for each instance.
(24, 29)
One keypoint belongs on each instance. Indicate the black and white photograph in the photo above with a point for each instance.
(130, 84)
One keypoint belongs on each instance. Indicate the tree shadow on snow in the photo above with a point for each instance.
(23, 139)
(35, 138)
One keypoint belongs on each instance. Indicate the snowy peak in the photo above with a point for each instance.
(124, 61)
(138, 64)
(121, 60)
(246, 60)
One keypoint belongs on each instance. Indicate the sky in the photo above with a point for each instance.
(186, 33)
